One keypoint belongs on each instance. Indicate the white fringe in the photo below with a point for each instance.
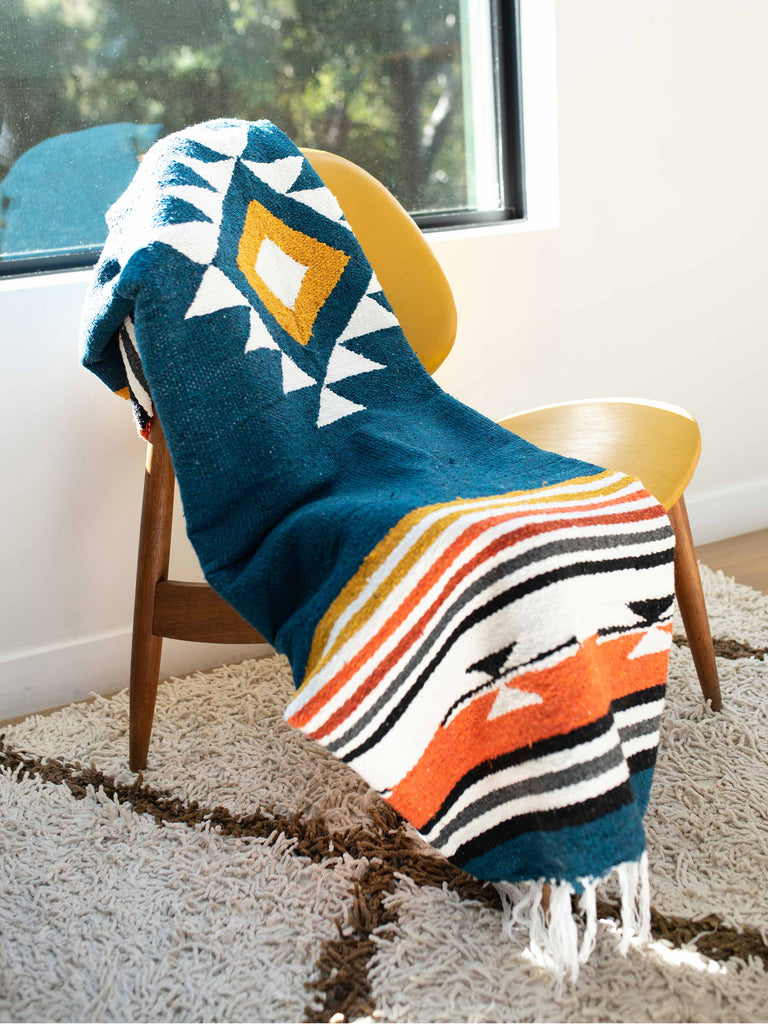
(553, 935)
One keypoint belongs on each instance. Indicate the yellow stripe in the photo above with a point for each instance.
(319, 657)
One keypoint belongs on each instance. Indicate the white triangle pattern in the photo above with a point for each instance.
(210, 203)
(294, 378)
(215, 292)
(229, 139)
(344, 363)
(510, 698)
(218, 173)
(259, 336)
(655, 641)
(320, 199)
(373, 285)
(369, 316)
(333, 407)
(279, 174)
(198, 240)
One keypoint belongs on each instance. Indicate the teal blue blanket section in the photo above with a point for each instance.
(281, 505)
(478, 627)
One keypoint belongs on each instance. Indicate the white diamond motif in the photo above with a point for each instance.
(281, 273)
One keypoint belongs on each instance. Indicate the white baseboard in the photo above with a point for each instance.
(46, 677)
(728, 511)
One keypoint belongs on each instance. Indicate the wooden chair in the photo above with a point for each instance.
(658, 443)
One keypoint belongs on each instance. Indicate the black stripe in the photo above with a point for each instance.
(551, 745)
(633, 700)
(497, 572)
(617, 630)
(141, 415)
(531, 786)
(641, 760)
(489, 684)
(545, 821)
(133, 357)
(494, 605)
(493, 575)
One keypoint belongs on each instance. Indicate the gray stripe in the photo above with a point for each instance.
(530, 787)
(648, 725)
(572, 544)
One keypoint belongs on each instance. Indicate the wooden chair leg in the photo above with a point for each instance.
(690, 598)
(154, 555)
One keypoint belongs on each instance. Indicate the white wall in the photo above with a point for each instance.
(653, 285)
(72, 466)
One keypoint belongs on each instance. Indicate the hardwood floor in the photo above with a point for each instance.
(744, 557)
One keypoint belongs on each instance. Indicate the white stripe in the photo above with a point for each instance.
(470, 513)
(532, 769)
(565, 609)
(554, 799)
(634, 746)
(608, 590)
(128, 325)
(421, 527)
(137, 390)
(639, 713)
(577, 606)
(530, 515)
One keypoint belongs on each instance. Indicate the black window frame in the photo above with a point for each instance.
(505, 30)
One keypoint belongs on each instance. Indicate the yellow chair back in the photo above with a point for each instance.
(412, 279)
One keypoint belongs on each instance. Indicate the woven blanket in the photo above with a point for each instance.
(480, 628)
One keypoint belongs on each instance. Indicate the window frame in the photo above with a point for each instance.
(505, 28)
(506, 46)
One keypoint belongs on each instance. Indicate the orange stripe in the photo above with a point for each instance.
(376, 558)
(576, 692)
(417, 630)
(306, 713)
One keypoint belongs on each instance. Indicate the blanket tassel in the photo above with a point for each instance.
(553, 934)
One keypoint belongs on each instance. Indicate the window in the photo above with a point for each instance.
(423, 95)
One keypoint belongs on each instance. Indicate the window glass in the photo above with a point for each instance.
(405, 88)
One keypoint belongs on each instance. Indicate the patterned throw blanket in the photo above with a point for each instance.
(478, 627)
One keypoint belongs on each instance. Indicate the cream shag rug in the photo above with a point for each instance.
(249, 876)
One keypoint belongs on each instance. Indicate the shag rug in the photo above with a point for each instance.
(250, 876)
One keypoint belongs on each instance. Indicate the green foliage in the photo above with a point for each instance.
(378, 81)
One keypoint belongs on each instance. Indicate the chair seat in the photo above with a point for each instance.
(658, 443)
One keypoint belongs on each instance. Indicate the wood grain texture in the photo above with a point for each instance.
(194, 611)
(153, 557)
(744, 557)
(690, 598)
(657, 443)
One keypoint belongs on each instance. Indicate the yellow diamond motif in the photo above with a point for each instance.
(314, 264)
